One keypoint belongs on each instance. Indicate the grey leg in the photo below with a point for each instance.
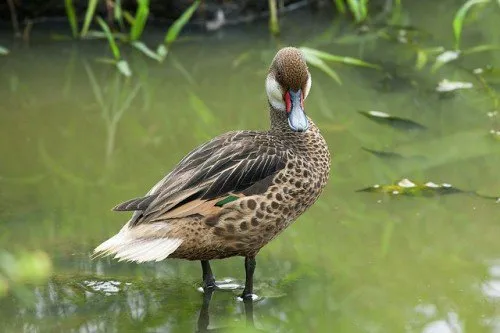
(249, 270)
(208, 277)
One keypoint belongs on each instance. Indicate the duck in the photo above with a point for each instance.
(235, 193)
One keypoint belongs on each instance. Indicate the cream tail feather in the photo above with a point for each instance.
(140, 243)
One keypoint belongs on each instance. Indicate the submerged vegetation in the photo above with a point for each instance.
(22, 270)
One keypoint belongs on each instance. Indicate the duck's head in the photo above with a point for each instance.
(288, 83)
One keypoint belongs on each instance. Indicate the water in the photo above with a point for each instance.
(76, 138)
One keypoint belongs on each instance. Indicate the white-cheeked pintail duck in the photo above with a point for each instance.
(235, 193)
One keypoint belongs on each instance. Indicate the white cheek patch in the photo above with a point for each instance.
(307, 88)
(274, 94)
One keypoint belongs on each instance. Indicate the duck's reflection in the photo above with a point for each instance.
(204, 318)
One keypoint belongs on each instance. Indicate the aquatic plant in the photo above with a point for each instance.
(120, 63)
(317, 59)
(137, 23)
(358, 8)
(406, 187)
(22, 269)
(273, 18)
(392, 121)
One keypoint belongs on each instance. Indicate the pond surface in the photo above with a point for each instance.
(76, 138)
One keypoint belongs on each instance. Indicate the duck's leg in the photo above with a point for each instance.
(204, 317)
(208, 277)
(249, 312)
(249, 269)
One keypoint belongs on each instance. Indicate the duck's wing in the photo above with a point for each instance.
(230, 166)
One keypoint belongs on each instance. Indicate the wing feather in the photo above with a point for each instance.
(228, 164)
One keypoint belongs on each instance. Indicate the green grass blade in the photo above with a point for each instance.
(110, 37)
(141, 17)
(3, 50)
(421, 59)
(203, 111)
(345, 60)
(128, 17)
(313, 60)
(175, 29)
(482, 48)
(458, 20)
(118, 13)
(358, 9)
(364, 9)
(89, 15)
(274, 26)
(71, 14)
(97, 34)
(147, 51)
(339, 4)
(96, 89)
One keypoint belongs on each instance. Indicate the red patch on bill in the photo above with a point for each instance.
(288, 102)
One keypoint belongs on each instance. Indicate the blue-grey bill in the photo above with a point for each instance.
(297, 119)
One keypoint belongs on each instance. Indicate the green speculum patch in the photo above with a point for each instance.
(226, 200)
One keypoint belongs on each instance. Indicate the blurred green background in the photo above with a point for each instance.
(89, 120)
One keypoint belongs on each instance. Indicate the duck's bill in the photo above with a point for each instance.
(297, 119)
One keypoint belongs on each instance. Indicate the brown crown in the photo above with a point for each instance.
(290, 69)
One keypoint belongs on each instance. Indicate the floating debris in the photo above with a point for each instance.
(447, 86)
(218, 22)
(106, 287)
(495, 134)
(395, 122)
(3, 50)
(383, 154)
(391, 155)
(429, 189)
(444, 58)
(448, 56)
(488, 73)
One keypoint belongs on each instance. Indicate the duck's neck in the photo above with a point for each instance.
(279, 123)
(279, 120)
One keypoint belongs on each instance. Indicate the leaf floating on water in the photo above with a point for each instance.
(162, 51)
(408, 188)
(383, 154)
(391, 155)
(444, 58)
(448, 86)
(124, 68)
(495, 134)
(147, 51)
(3, 50)
(489, 73)
(396, 122)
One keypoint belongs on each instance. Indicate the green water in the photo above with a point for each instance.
(76, 138)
